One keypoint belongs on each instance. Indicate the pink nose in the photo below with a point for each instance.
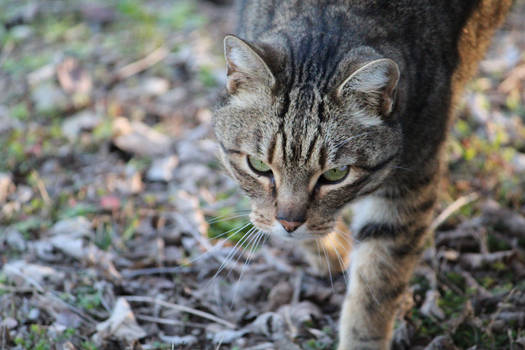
(290, 226)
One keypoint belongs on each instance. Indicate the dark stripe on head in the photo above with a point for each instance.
(258, 139)
(271, 149)
(322, 157)
(311, 147)
(286, 95)
(320, 111)
(229, 150)
(283, 144)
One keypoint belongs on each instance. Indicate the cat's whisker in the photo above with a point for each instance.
(341, 263)
(227, 217)
(216, 246)
(235, 228)
(344, 142)
(328, 265)
(346, 237)
(258, 237)
(249, 242)
(230, 255)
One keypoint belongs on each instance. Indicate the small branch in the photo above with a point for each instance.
(181, 308)
(168, 321)
(144, 63)
(452, 208)
(15, 290)
(42, 188)
(152, 271)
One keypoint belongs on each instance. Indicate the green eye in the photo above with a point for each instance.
(258, 165)
(336, 174)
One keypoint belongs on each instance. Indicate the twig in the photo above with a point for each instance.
(206, 315)
(495, 315)
(144, 63)
(297, 287)
(15, 290)
(513, 79)
(452, 208)
(168, 321)
(152, 271)
(52, 296)
(42, 188)
(34, 283)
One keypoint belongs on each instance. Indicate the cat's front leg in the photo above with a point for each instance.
(388, 242)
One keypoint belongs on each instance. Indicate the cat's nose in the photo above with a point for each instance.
(290, 226)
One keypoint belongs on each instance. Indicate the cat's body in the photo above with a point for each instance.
(366, 90)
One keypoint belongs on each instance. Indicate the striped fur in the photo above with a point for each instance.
(321, 84)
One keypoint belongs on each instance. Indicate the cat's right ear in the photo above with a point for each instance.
(376, 82)
(246, 68)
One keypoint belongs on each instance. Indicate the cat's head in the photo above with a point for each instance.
(302, 151)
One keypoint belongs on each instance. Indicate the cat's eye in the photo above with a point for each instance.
(335, 174)
(259, 166)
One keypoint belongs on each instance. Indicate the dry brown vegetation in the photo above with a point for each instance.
(110, 191)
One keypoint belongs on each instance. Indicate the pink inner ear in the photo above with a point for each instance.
(387, 104)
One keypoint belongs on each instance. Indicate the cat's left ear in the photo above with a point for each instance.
(246, 68)
(376, 81)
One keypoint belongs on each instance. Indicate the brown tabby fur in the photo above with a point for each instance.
(315, 85)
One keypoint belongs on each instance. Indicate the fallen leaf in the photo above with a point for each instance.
(121, 324)
(72, 77)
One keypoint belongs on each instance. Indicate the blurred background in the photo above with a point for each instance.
(113, 207)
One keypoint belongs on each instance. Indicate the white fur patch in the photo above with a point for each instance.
(243, 59)
(373, 209)
(245, 99)
(366, 119)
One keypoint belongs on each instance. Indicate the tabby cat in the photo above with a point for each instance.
(332, 102)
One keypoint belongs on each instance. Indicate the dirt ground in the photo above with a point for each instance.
(119, 230)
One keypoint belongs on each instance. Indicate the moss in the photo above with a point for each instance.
(228, 224)
(451, 303)
(456, 279)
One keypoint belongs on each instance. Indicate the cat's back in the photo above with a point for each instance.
(350, 17)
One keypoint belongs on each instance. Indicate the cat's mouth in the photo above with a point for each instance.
(299, 233)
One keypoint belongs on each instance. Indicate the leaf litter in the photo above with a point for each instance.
(116, 215)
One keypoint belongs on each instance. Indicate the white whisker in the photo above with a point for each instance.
(231, 254)
(236, 228)
(226, 218)
(258, 236)
(328, 265)
(341, 143)
(346, 237)
(217, 246)
(253, 236)
(341, 263)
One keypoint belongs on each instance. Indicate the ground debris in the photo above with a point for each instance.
(110, 188)
(121, 325)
